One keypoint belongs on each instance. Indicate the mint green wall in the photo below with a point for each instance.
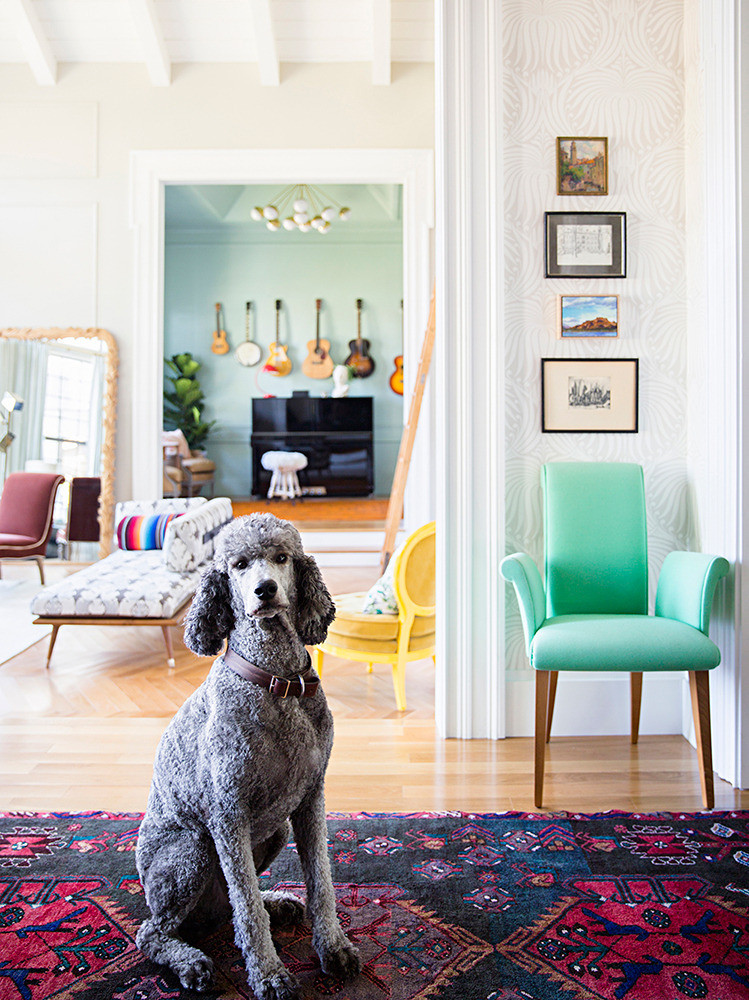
(201, 270)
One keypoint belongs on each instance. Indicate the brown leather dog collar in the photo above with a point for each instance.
(303, 685)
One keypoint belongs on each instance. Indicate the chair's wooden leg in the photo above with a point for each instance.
(399, 683)
(699, 686)
(40, 564)
(317, 658)
(168, 644)
(52, 641)
(553, 678)
(542, 700)
(635, 690)
(370, 668)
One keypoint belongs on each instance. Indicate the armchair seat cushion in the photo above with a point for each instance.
(7, 538)
(621, 642)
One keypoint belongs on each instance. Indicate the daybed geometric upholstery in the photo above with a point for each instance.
(124, 585)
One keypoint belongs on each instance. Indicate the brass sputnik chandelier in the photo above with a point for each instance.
(300, 206)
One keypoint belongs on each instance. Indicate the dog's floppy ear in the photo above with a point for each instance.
(315, 608)
(210, 618)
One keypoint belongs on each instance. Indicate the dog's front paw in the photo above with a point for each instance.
(284, 909)
(280, 985)
(196, 974)
(339, 958)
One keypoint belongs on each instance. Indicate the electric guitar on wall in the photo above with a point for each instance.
(277, 363)
(220, 344)
(318, 363)
(396, 379)
(359, 358)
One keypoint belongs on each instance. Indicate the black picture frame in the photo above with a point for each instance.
(611, 386)
(597, 240)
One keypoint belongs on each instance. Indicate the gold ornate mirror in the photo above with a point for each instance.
(93, 342)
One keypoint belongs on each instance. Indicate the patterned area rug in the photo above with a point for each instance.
(467, 907)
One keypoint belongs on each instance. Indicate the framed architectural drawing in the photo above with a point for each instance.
(584, 395)
(585, 244)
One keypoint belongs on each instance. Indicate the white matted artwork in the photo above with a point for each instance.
(584, 395)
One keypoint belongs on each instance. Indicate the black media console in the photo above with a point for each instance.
(335, 435)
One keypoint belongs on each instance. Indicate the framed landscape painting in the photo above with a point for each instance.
(582, 165)
(584, 395)
(588, 316)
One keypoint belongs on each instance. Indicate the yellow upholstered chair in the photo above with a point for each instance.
(396, 639)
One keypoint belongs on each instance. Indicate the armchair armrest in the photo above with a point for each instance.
(523, 573)
(686, 586)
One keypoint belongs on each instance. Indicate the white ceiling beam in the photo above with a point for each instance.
(381, 42)
(265, 43)
(34, 41)
(156, 57)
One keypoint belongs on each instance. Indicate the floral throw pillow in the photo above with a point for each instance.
(380, 599)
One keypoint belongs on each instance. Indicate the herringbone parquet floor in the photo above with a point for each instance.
(83, 734)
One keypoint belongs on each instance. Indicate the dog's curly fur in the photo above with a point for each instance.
(237, 763)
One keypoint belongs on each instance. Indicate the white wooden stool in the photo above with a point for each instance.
(284, 466)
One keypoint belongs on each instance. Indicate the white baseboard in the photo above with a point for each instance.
(598, 705)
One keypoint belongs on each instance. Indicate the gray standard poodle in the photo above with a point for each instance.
(245, 754)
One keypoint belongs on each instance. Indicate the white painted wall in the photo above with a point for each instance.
(65, 152)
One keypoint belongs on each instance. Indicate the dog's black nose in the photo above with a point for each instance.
(266, 590)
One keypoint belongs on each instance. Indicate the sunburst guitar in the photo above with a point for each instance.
(396, 379)
(277, 363)
(359, 359)
(318, 363)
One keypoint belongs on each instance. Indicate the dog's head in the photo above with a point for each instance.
(259, 571)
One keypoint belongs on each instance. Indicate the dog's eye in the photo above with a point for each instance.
(241, 564)
(281, 557)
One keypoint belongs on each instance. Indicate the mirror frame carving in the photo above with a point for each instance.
(109, 412)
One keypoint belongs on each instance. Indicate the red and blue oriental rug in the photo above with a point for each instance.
(451, 906)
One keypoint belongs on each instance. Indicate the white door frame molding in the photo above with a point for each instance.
(470, 693)
(152, 170)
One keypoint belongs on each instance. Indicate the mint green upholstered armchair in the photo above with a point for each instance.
(592, 613)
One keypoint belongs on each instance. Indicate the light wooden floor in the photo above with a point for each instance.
(83, 735)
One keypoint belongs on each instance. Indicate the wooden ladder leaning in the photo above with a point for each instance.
(395, 506)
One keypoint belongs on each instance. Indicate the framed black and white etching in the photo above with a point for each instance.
(584, 395)
(586, 244)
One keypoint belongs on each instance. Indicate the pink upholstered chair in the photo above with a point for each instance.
(26, 515)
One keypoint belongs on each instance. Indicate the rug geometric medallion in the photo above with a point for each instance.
(505, 906)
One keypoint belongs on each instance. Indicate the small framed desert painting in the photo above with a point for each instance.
(588, 316)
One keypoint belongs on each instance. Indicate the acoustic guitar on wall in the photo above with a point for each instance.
(318, 363)
(359, 359)
(220, 344)
(396, 379)
(277, 363)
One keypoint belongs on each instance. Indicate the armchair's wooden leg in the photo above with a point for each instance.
(40, 564)
(699, 686)
(542, 700)
(317, 658)
(635, 688)
(52, 641)
(168, 644)
(399, 683)
(553, 678)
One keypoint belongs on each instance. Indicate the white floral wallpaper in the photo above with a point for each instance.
(610, 68)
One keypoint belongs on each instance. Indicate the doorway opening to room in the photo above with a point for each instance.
(298, 330)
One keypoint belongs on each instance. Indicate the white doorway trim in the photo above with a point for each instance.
(152, 170)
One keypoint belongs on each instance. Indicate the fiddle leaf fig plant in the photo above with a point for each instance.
(184, 402)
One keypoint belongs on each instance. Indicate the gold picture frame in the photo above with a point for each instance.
(582, 165)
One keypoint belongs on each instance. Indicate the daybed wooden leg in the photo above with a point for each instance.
(169, 650)
(699, 686)
(635, 689)
(553, 678)
(52, 641)
(40, 564)
(542, 700)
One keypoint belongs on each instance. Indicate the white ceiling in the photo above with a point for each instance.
(159, 33)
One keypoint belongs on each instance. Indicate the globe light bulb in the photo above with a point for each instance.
(270, 212)
(300, 217)
(288, 223)
(328, 214)
(305, 226)
(273, 225)
(256, 214)
(300, 205)
(317, 222)
(344, 214)
(324, 227)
